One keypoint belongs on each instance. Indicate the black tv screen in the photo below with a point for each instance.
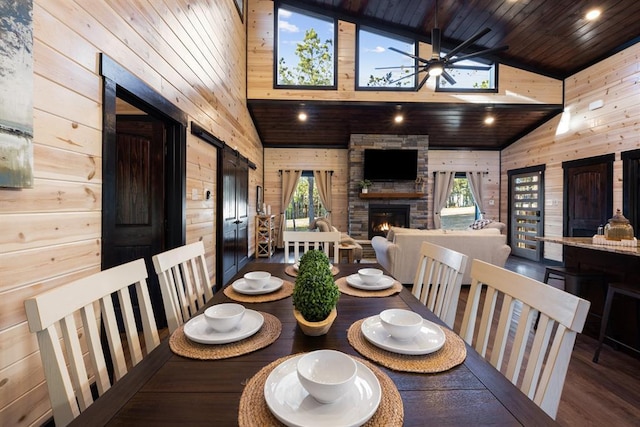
(390, 165)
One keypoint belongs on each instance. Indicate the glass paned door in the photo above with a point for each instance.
(527, 204)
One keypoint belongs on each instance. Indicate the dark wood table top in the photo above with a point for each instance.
(167, 389)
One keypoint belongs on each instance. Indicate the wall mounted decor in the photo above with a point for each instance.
(16, 94)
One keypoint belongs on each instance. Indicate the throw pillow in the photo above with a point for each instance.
(480, 224)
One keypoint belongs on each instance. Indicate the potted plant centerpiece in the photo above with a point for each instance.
(315, 294)
(365, 184)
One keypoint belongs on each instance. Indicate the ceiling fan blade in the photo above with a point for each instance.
(467, 43)
(469, 67)
(409, 55)
(395, 68)
(448, 78)
(404, 77)
(480, 53)
(424, 80)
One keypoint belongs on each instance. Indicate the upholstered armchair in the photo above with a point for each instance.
(323, 224)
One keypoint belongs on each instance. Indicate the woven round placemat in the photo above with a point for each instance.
(268, 333)
(452, 353)
(285, 291)
(254, 411)
(346, 289)
(293, 273)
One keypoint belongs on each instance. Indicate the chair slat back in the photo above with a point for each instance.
(56, 310)
(536, 359)
(438, 280)
(184, 282)
(302, 241)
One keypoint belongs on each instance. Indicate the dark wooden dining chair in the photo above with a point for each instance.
(438, 280)
(89, 300)
(535, 360)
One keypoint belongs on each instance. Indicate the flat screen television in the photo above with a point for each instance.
(390, 165)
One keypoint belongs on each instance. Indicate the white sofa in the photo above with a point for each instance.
(399, 252)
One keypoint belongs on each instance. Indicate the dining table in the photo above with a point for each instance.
(167, 388)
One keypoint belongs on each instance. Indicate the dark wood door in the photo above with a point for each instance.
(135, 218)
(588, 195)
(235, 213)
(631, 188)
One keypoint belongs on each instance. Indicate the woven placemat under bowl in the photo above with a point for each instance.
(293, 273)
(346, 289)
(285, 291)
(254, 411)
(452, 353)
(268, 333)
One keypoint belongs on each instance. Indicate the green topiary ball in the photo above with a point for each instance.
(315, 293)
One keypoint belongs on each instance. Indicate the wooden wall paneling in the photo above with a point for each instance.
(27, 231)
(613, 128)
(515, 86)
(29, 409)
(65, 134)
(47, 196)
(53, 163)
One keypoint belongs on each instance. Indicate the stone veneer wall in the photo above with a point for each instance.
(359, 208)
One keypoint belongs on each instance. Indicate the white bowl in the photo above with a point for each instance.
(370, 276)
(326, 374)
(401, 324)
(224, 317)
(257, 279)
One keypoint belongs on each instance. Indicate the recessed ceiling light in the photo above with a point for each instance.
(302, 117)
(593, 14)
(398, 118)
(489, 120)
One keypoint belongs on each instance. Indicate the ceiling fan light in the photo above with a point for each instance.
(436, 70)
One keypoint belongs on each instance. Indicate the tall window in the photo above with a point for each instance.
(305, 204)
(305, 49)
(460, 210)
(375, 60)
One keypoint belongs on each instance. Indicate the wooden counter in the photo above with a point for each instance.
(619, 264)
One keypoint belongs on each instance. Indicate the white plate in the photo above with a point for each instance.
(384, 283)
(199, 331)
(430, 338)
(291, 403)
(272, 285)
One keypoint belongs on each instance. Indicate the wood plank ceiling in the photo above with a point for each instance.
(549, 37)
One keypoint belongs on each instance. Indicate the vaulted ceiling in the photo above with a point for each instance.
(548, 37)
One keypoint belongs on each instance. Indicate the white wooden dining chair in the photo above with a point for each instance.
(88, 301)
(536, 360)
(302, 241)
(184, 282)
(438, 280)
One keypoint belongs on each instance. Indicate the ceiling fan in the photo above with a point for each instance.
(437, 64)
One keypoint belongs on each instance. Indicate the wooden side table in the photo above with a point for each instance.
(348, 250)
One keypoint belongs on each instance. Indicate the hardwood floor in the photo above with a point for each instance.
(595, 394)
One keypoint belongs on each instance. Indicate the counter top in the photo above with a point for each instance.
(587, 243)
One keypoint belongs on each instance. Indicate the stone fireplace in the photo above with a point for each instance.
(386, 193)
(383, 217)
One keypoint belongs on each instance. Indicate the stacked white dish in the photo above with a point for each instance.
(370, 279)
(426, 339)
(271, 285)
(292, 404)
(198, 329)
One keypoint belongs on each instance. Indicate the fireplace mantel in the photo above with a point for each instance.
(391, 195)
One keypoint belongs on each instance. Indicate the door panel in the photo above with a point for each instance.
(588, 187)
(134, 219)
(235, 218)
(526, 198)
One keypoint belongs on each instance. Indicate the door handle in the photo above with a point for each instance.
(237, 221)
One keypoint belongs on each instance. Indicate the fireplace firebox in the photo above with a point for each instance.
(383, 217)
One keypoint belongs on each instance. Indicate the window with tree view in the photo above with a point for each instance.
(305, 204)
(460, 210)
(305, 49)
(475, 76)
(380, 67)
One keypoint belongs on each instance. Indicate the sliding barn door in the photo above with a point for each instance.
(234, 211)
